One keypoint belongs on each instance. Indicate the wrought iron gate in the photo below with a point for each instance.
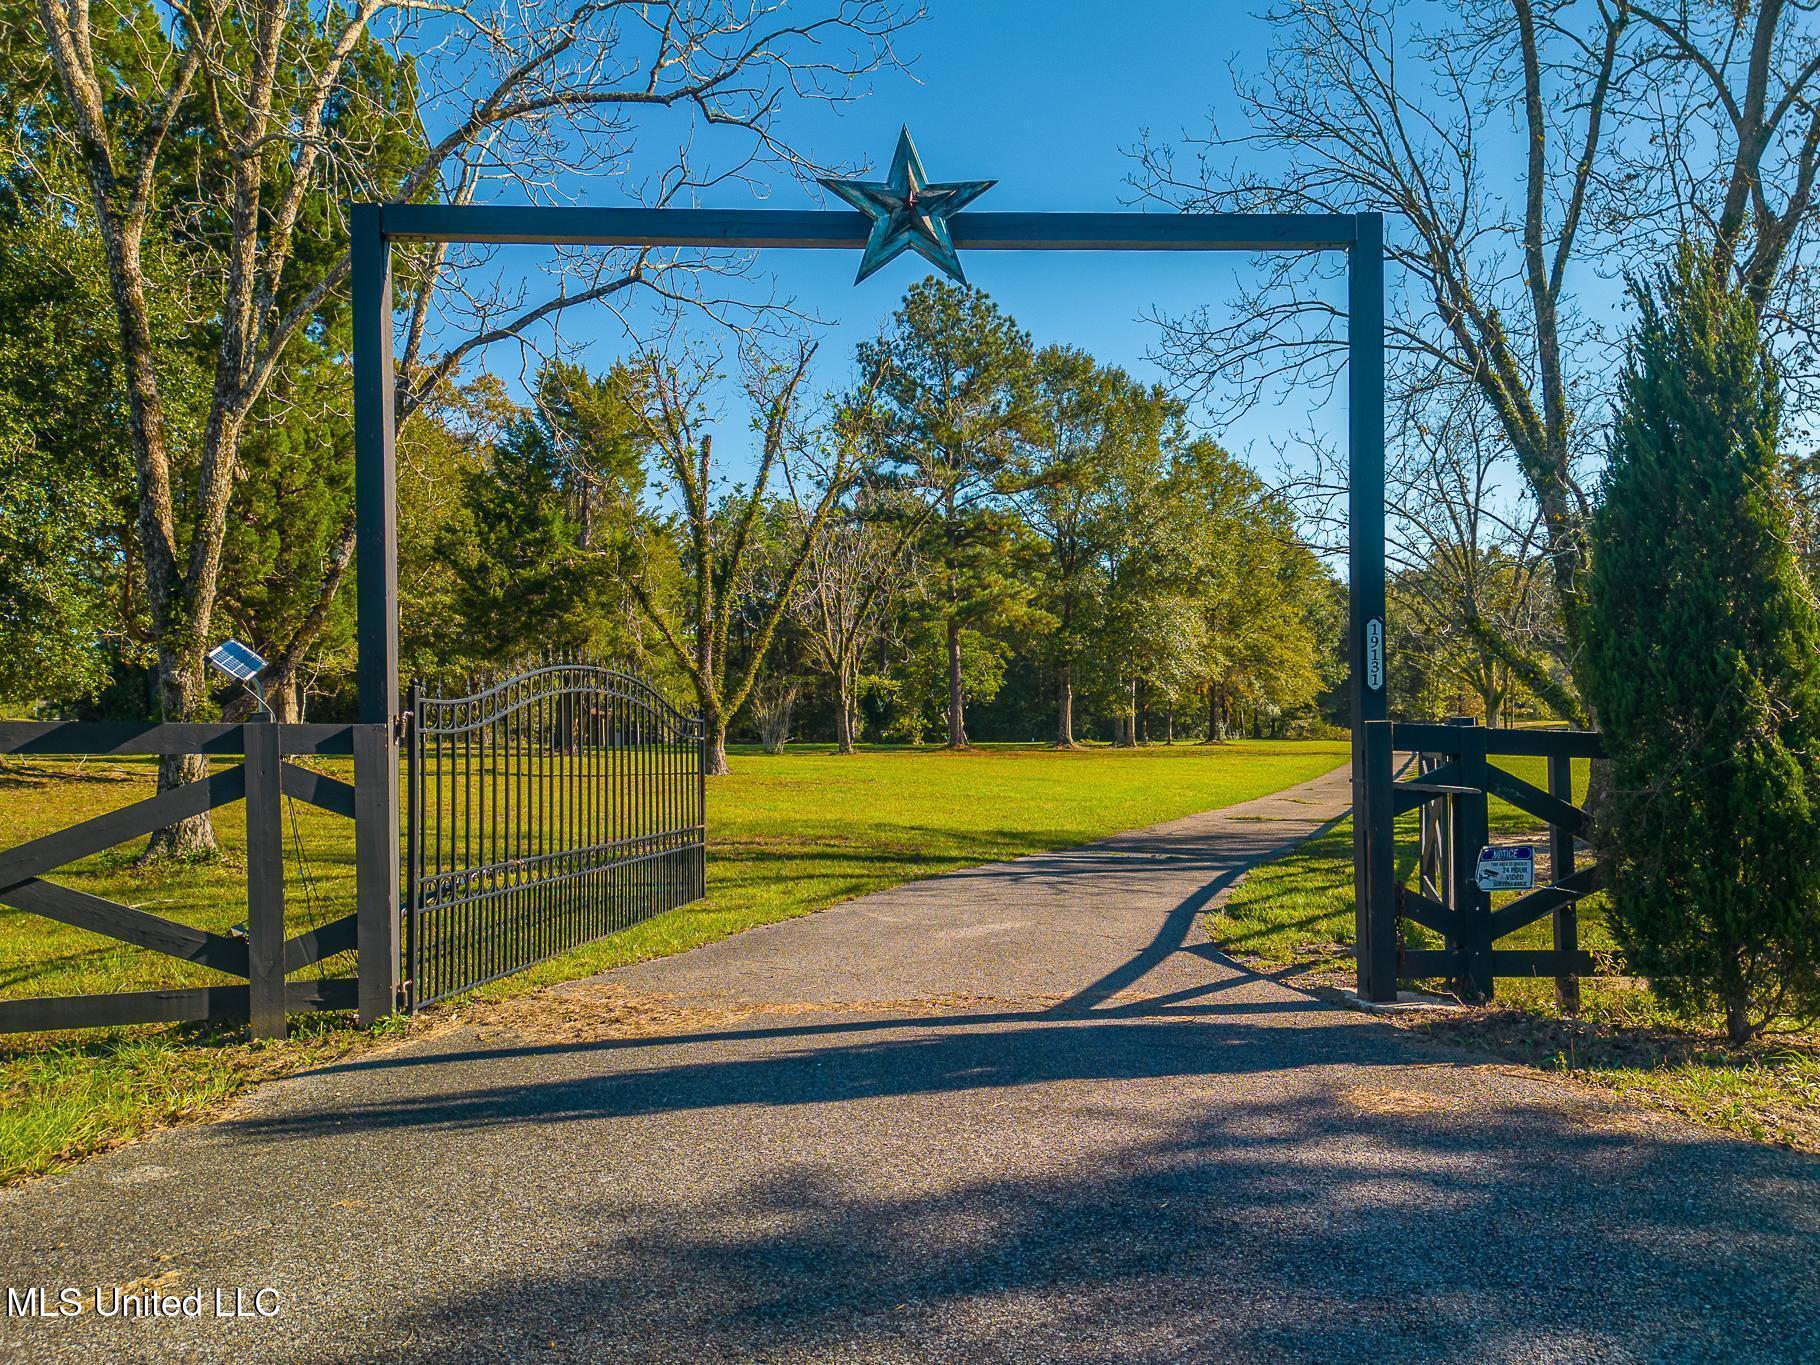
(553, 808)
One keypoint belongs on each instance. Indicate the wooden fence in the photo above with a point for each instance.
(265, 957)
(1455, 779)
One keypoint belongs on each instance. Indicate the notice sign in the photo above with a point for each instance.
(1507, 869)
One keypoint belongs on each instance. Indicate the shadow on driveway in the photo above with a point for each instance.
(1347, 1210)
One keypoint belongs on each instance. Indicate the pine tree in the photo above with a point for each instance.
(1704, 658)
(955, 400)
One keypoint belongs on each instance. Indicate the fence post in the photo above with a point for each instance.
(1561, 864)
(1471, 831)
(1449, 831)
(411, 928)
(264, 880)
(1375, 923)
(376, 869)
(1428, 825)
(701, 809)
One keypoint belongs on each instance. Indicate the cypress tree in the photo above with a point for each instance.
(1704, 661)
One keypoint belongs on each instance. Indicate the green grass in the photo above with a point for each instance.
(1293, 917)
(788, 835)
(807, 829)
(42, 957)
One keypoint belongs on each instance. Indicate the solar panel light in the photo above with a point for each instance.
(244, 665)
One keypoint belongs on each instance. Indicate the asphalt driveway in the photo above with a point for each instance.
(1021, 1112)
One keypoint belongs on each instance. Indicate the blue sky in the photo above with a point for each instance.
(1048, 100)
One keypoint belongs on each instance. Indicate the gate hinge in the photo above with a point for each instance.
(401, 726)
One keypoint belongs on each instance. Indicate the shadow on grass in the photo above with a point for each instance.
(1594, 1043)
(23, 777)
(18, 974)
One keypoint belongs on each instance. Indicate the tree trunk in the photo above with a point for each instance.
(180, 694)
(957, 720)
(1064, 722)
(843, 715)
(1738, 1028)
(714, 761)
(1169, 726)
(1216, 715)
(178, 670)
(286, 701)
(1124, 734)
(284, 694)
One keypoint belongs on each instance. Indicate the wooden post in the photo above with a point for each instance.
(375, 497)
(701, 808)
(1443, 809)
(1449, 832)
(376, 612)
(1473, 906)
(1428, 854)
(411, 927)
(1561, 864)
(264, 880)
(376, 869)
(1374, 885)
(1375, 921)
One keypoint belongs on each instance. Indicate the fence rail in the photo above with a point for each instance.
(1454, 782)
(265, 957)
(555, 807)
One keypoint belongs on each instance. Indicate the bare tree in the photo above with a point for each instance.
(773, 706)
(1806, 538)
(1732, 115)
(1507, 145)
(1462, 546)
(719, 524)
(522, 97)
(1464, 554)
(859, 567)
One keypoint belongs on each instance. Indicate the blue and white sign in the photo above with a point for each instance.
(1507, 869)
(236, 660)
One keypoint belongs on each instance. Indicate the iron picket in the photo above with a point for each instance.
(545, 810)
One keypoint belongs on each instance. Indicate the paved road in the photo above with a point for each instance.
(1021, 1112)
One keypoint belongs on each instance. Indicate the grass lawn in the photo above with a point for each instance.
(787, 835)
(1293, 918)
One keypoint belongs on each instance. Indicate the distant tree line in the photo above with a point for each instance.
(975, 538)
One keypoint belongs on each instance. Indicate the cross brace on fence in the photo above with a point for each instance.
(265, 957)
(1454, 781)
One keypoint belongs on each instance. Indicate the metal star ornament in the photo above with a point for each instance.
(908, 213)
